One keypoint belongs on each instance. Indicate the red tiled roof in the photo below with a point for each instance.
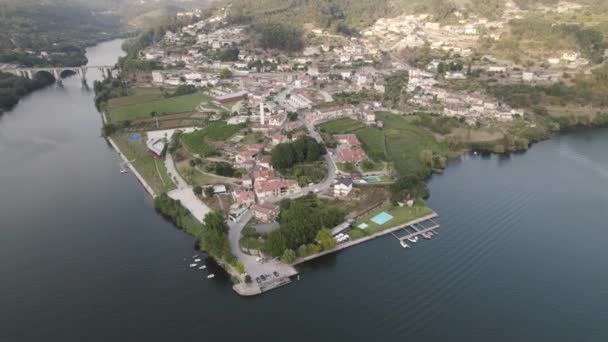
(273, 184)
(350, 139)
(265, 208)
(348, 155)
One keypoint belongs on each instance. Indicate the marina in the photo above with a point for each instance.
(413, 229)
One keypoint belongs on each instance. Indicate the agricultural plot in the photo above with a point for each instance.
(142, 103)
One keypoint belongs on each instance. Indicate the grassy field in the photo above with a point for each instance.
(400, 215)
(405, 141)
(399, 141)
(346, 167)
(144, 101)
(153, 170)
(344, 125)
(195, 177)
(198, 141)
(373, 141)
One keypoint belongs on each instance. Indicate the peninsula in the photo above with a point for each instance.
(274, 142)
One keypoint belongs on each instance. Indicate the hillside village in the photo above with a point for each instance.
(332, 97)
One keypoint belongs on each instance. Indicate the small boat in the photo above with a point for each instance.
(123, 170)
(202, 267)
(192, 265)
(404, 245)
(427, 236)
(413, 239)
(195, 255)
(210, 276)
(197, 260)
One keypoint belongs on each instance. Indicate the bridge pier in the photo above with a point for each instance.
(29, 73)
(82, 72)
(57, 75)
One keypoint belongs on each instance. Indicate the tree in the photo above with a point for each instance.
(214, 236)
(292, 116)
(302, 251)
(305, 149)
(325, 239)
(275, 244)
(197, 190)
(248, 279)
(426, 156)
(209, 191)
(289, 256)
(230, 54)
(225, 73)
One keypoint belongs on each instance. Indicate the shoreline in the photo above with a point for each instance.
(132, 168)
(366, 239)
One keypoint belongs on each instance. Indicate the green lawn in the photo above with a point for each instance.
(153, 170)
(251, 243)
(347, 167)
(369, 166)
(405, 141)
(194, 177)
(400, 215)
(373, 141)
(198, 141)
(344, 125)
(142, 103)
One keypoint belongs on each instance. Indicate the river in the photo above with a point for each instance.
(84, 257)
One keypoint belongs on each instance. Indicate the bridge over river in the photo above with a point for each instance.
(57, 72)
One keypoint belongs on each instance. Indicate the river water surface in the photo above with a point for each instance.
(83, 256)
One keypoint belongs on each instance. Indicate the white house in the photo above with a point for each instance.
(343, 187)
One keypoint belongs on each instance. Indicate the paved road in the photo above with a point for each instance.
(172, 171)
(319, 187)
(184, 193)
(252, 267)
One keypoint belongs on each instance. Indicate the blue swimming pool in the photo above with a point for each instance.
(371, 179)
(134, 137)
(382, 218)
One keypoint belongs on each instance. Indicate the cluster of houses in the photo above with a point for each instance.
(260, 186)
(363, 112)
(349, 149)
(425, 94)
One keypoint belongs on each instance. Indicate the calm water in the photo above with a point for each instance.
(84, 257)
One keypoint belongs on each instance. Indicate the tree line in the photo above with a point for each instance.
(12, 87)
(300, 221)
(303, 150)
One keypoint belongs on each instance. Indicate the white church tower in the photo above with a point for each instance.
(262, 113)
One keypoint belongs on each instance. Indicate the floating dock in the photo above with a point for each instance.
(415, 231)
(426, 224)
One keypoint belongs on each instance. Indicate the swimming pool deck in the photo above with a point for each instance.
(348, 244)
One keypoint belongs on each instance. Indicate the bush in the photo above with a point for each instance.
(302, 251)
(313, 249)
(240, 267)
(289, 256)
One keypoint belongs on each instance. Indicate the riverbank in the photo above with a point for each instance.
(349, 244)
(139, 177)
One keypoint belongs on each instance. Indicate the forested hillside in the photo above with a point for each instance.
(348, 16)
(59, 28)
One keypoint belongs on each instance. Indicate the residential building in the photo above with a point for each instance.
(265, 212)
(343, 187)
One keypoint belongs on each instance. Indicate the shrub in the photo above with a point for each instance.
(289, 256)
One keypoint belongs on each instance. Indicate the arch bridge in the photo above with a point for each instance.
(106, 71)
